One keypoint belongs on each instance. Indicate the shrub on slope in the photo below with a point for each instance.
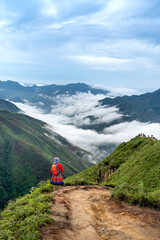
(23, 217)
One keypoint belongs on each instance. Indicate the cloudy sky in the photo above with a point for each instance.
(115, 43)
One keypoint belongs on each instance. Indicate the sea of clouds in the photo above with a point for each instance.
(71, 112)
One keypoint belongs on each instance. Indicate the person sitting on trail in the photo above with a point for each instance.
(56, 172)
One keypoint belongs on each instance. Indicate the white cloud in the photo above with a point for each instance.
(76, 109)
(118, 13)
(100, 60)
(3, 22)
(60, 25)
(116, 92)
(125, 131)
(49, 8)
(112, 35)
(108, 63)
(115, 64)
(116, 6)
(72, 112)
(56, 26)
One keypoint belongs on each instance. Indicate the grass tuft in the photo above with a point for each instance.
(22, 218)
(136, 195)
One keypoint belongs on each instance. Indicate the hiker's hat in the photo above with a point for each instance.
(56, 160)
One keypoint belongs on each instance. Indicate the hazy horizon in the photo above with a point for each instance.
(118, 91)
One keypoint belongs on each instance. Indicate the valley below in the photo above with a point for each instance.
(89, 213)
(81, 128)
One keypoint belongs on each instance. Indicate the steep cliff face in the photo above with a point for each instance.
(109, 172)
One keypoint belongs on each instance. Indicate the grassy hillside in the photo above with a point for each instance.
(8, 106)
(26, 154)
(135, 164)
(23, 218)
(142, 165)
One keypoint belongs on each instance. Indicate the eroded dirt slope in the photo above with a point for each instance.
(88, 213)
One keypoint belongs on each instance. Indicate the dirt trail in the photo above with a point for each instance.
(88, 213)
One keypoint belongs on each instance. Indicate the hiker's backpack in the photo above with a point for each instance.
(55, 169)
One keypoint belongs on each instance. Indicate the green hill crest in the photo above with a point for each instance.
(133, 164)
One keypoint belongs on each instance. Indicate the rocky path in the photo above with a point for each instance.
(88, 213)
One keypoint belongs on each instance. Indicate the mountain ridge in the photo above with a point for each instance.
(8, 89)
(134, 166)
(8, 106)
(144, 107)
(43, 97)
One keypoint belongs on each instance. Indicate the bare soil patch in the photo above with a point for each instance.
(88, 213)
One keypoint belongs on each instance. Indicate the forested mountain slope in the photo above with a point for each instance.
(26, 154)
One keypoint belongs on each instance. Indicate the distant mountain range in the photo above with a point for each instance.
(11, 87)
(26, 154)
(42, 96)
(145, 107)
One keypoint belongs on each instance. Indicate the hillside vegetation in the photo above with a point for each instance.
(8, 106)
(23, 218)
(26, 154)
(133, 169)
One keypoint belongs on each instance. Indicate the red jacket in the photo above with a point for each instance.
(60, 168)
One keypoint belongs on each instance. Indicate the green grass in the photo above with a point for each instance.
(134, 162)
(136, 195)
(143, 165)
(26, 155)
(86, 177)
(22, 218)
